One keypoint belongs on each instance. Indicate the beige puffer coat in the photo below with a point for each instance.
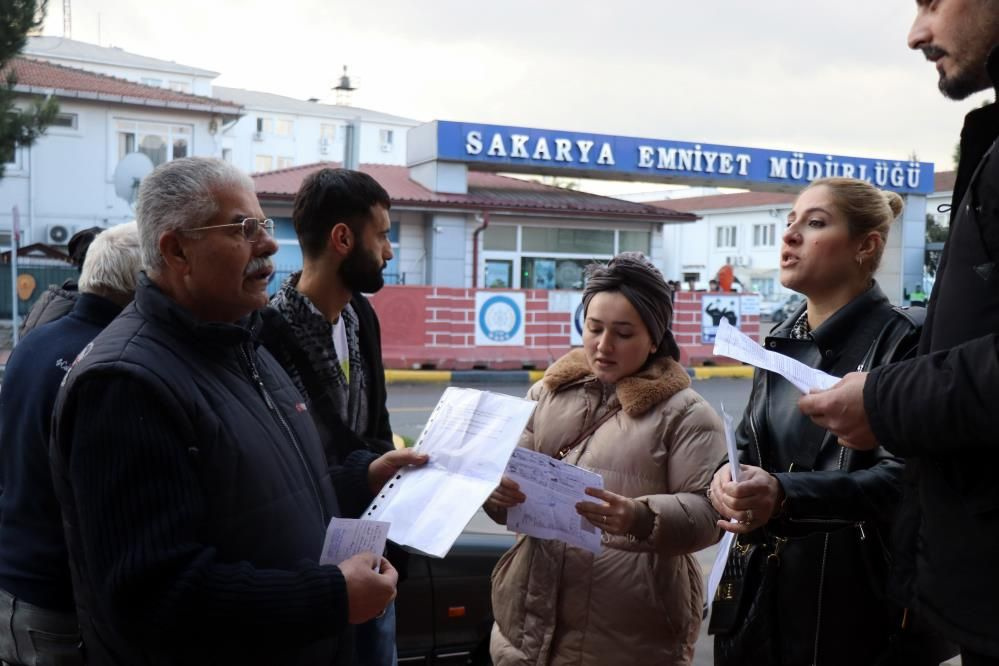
(637, 602)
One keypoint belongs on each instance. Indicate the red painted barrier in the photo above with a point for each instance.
(434, 327)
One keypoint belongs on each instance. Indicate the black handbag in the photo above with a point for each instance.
(743, 612)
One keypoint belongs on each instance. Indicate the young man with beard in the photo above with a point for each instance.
(937, 410)
(326, 334)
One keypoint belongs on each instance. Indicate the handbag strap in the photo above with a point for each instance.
(564, 451)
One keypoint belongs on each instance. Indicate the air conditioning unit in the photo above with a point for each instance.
(386, 147)
(258, 136)
(324, 146)
(59, 234)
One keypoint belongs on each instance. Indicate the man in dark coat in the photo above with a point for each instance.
(938, 410)
(194, 488)
(327, 337)
(36, 592)
(58, 301)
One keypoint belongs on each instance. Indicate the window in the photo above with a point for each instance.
(764, 235)
(284, 127)
(159, 142)
(180, 86)
(264, 125)
(328, 132)
(764, 286)
(227, 155)
(156, 83)
(574, 241)
(634, 241)
(385, 137)
(545, 273)
(500, 238)
(285, 162)
(263, 163)
(499, 273)
(725, 236)
(67, 120)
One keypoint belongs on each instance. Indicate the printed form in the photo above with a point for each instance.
(553, 488)
(731, 342)
(469, 438)
(725, 545)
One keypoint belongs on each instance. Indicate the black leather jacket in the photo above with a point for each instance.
(834, 525)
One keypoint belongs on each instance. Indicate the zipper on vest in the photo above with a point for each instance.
(276, 413)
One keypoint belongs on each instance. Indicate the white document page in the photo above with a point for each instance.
(714, 578)
(469, 438)
(553, 488)
(731, 342)
(346, 537)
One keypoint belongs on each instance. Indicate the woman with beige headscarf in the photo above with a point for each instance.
(621, 406)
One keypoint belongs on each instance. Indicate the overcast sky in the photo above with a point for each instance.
(815, 75)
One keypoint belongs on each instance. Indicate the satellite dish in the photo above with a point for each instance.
(129, 173)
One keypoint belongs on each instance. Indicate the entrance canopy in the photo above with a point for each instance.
(440, 153)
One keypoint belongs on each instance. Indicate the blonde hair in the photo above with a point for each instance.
(865, 207)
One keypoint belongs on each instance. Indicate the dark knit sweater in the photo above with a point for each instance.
(195, 493)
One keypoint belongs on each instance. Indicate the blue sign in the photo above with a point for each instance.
(505, 148)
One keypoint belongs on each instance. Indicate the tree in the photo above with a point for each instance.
(935, 233)
(20, 125)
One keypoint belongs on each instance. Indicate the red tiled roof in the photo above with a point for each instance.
(943, 181)
(485, 190)
(35, 76)
(734, 200)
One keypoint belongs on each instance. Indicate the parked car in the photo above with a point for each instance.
(443, 609)
(784, 310)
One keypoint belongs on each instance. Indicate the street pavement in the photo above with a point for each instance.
(410, 405)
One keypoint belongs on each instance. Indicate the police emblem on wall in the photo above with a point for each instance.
(499, 318)
(576, 325)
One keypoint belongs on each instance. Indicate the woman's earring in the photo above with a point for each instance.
(860, 261)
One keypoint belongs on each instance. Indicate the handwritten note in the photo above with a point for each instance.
(346, 537)
(731, 342)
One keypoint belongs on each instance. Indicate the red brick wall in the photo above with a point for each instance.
(434, 327)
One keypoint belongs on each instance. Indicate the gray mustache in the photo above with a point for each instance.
(258, 264)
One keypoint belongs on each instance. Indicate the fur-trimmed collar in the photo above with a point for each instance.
(638, 393)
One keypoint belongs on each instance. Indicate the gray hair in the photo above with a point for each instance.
(113, 261)
(178, 194)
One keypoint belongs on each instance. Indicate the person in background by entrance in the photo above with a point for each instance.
(621, 406)
(918, 297)
(37, 617)
(324, 332)
(58, 301)
(827, 512)
(938, 410)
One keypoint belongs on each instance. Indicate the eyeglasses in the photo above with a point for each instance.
(250, 226)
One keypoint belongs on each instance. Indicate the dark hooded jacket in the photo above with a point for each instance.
(939, 410)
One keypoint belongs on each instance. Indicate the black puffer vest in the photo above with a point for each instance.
(254, 450)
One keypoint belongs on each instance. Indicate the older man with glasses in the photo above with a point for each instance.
(194, 488)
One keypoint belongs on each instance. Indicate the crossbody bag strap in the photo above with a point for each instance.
(564, 451)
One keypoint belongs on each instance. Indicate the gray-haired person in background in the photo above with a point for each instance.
(37, 616)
